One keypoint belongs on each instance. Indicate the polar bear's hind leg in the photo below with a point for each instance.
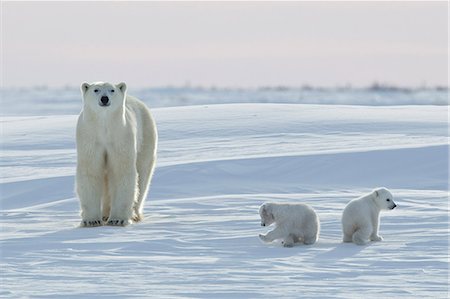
(309, 240)
(361, 235)
(145, 172)
(289, 241)
(347, 238)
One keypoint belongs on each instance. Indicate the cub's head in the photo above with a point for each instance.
(101, 95)
(383, 199)
(265, 211)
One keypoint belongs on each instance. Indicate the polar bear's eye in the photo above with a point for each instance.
(95, 90)
(388, 199)
(112, 90)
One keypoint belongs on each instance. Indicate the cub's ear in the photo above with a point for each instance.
(263, 208)
(268, 209)
(375, 192)
(122, 86)
(84, 87)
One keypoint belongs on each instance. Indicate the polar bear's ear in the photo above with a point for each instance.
(122, 86)
(268, 211)
(265, 209)
(84, 87)
(375, 192)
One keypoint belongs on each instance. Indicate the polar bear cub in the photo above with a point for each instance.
(295, 223)
(116, 152)
(361, 216)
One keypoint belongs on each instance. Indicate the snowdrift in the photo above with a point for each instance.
(216, 165)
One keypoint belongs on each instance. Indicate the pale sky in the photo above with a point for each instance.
(231, 44)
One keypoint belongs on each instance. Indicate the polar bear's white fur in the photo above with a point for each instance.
(361, 216)
(295, 223)
(116, 153)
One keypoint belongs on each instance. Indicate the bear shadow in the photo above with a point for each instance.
(341, 251)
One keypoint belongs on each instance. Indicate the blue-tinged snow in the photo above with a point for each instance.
(67, 100)
(216, 165)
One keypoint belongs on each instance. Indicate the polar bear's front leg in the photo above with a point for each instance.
(106, 200)
(122, 201)
(89, 189)
(123, 186)
(271, 236)
(376, 225)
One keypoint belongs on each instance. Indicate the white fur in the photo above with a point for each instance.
(361, 216)
(116, 151)
(295, 223)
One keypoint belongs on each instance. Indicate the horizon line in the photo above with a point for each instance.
(280, 87)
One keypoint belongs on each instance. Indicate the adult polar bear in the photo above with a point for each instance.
(116, 154)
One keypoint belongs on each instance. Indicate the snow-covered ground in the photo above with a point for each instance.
(217, 164)
(67, 100)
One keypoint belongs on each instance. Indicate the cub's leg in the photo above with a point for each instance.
(288, 241)
(347, 238)
(310, 239)
(376, 225)
(273, 235)
(361, 235)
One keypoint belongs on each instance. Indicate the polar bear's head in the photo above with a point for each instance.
(101, 95)
(383, 199)
(265, 211)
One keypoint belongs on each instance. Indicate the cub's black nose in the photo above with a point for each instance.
(104, 100)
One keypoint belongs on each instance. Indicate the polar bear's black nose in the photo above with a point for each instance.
(104, 100)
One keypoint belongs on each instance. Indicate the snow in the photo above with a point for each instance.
(52, 101)
(216, 165)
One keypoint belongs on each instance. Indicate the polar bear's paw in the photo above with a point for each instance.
(263, 238)
(118, 222)
(287, 244)
(376, 238)
(289, 241)
(359, 241)
(138, 217)
(91, 223)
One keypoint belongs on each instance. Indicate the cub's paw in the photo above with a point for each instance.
(376, 238)
(287, 244)
(263, 238)
(359, 242)
(118, 222)
(91, 223)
